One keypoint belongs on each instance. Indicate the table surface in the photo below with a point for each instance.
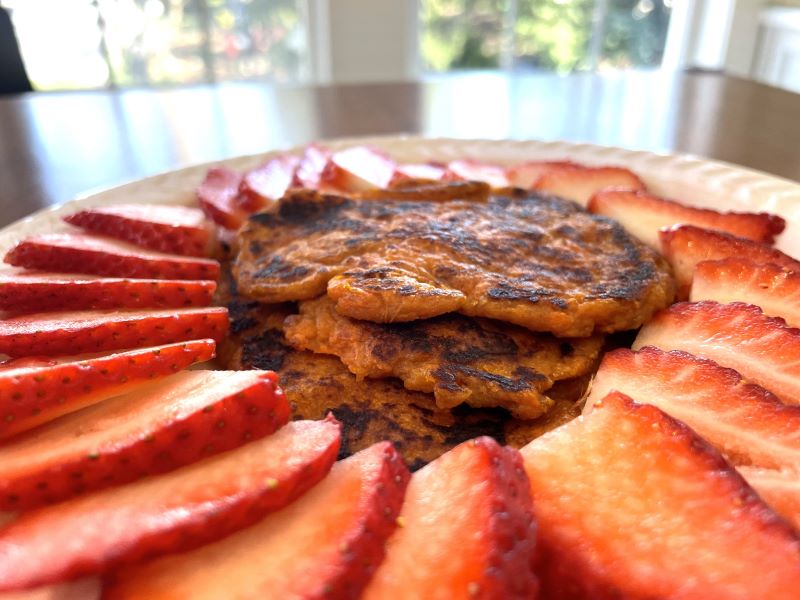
(54, 146)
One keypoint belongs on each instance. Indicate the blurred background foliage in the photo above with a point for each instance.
(561, 35)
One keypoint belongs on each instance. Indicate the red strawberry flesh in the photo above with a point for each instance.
(774, 289)
(644, 215)
(218, 194)
(745, 422)
(30, 396)
(476, 171)
(685, 246)
(779, 488)
(581, 183)
(68, 333)
(267, 183)
(174, 512)
(31, 291)
(358, 169)
(633, 504)
(417, 171)
(171, 423)
(763, 349)
(525, 175)
(325, 545)
(311, 166)
(166, 228)
(96, 255)
(472, 508)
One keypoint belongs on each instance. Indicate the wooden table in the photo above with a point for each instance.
(55, 146)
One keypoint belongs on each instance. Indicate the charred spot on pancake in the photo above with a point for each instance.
(265, 351)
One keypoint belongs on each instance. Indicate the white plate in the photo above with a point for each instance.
(693, 180)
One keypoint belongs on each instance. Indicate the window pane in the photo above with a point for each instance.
(635, 33)
(560, 35)
(60, 43)
(154, 41)
(462, 34)
(553, 34)
(256, 39)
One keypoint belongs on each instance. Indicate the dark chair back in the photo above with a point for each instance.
(13, 78)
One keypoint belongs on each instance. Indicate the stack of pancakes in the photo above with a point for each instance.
(427, 319)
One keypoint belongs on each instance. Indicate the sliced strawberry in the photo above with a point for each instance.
(311, 166)
(95, 255)
(581, 183)
(633, 504)
(81, 589)
(174, 512)
(175, 229)
(327, 544)
(763, 349)
(644, 214)
(686, 245)
(745, 422)
(358, 169)
(472, 507)
(33, 395)
(218, 195)
(774, 289)
(269, 182)
(779, 489)
(32, 291)
(472, 170)
(525, 175)
(69, 333)
(417, 172)
(156, 429)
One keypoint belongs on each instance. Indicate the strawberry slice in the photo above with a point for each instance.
(176, 229)
(419, 172)
(763, 349)
(325, 545)
(472, 170)
(774, 289)
(171, 423)
(218, 194)
(69, 333)
(33, 395)
(644, 215)
(32, 291)
(581, 183)
(174, 512)
(472, 507)
(267, 183)
(633, 504)
(779, 489)
(95, 255)
(745, 422)
(311, 166)
(358, 169)
(685, 246)
(525, 175)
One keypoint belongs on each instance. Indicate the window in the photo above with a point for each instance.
(100, 43)
(560, 35)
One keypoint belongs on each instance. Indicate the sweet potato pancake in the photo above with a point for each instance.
(480, 362)
(536, 261)
(372, 410)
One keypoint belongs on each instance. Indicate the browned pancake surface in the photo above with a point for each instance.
(537, 261)
(371, 410)
(460, 359)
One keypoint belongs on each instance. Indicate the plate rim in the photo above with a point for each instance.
(703, 178)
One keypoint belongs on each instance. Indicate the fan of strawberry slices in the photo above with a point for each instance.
(118, 462)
